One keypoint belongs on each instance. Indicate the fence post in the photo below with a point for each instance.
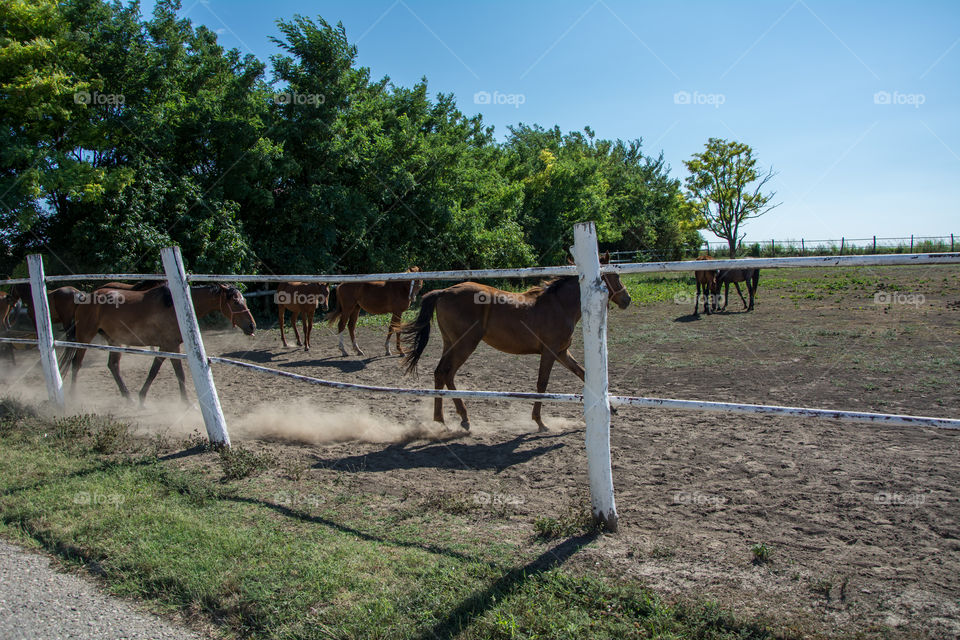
(951, 243)
(41, 312)
(911, 243)
(193, 345)
(874, 244)
(773, 250)
(596, 403)
(802, 248)
(841, 245)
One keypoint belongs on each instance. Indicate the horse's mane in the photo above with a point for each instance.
(548, 286)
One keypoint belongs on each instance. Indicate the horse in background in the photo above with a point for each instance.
(148, 319)
(378, 297)
(706, 282)
(302, 300)
(5, 307)
(750, 276)
(540, 320)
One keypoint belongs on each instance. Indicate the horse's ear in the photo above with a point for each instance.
(570, 260)
(605, 258)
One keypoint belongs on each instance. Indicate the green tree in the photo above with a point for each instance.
(722, 190)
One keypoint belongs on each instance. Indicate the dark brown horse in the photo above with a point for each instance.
(540, 321)
(393, 297)
(148, 319)
(706, 282)
(142, 285)
(749, 276)
(302, 300)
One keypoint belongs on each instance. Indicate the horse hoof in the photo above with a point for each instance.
(542, 428)
(465, 424)
(306, 348)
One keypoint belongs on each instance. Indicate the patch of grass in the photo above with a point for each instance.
(185, 542)
(576, 521)
(238, 463)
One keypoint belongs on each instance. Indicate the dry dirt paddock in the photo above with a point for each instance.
(862, 521)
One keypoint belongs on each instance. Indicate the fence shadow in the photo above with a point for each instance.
(476, 605)
(458, 455)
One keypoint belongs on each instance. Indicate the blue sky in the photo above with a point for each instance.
(855, 105)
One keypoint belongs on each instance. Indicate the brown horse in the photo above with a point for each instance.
(62, 301)
(751, 277)
(540, 320)
(302, 299)
(148, 319)
(393, 297)
(706, 282)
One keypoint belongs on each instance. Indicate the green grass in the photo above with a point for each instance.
(345, 566)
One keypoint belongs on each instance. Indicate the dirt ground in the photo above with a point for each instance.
(862, 521)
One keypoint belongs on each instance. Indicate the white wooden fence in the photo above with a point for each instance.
(596, 398)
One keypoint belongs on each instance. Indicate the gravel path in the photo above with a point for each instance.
(38, 602)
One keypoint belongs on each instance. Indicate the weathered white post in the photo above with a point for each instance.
(41, 312)
(193, 346)
(596, 403)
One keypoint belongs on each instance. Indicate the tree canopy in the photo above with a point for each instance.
(722, 190)
(123, 134)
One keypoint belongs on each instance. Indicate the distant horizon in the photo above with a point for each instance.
(854, 110)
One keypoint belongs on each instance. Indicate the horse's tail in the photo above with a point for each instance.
(416, 334)
(334, 314)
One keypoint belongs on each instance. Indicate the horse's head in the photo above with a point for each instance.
(234, 307)
(323, 295)
(415, 285)
(618, 293)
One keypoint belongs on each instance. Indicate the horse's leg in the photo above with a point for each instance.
(394, 328)
(307, 328)
(696, 301)
(283, 338)
(755, 281)
(295, 315)
(547, 359)
(352, 326)
(178, 371)
(455, 358)
(341, 324)
(113, 364)
(154, 369)
(739, 293)
(726, 295)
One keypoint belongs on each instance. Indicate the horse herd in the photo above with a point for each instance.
(540, 320)
(709, 282)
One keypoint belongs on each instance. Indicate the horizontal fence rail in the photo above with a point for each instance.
(632, 401)
(903, 259)
(783, 263)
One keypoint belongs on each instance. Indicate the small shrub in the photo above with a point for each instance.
(238, 463)
(196, 441)
(761, 553)
(108, 435)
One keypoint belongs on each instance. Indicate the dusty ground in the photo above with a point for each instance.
(863, 522)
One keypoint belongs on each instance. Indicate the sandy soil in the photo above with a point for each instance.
(863, 521)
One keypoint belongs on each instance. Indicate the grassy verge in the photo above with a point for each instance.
(331, 563)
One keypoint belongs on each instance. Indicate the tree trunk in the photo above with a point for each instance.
(732, 242)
